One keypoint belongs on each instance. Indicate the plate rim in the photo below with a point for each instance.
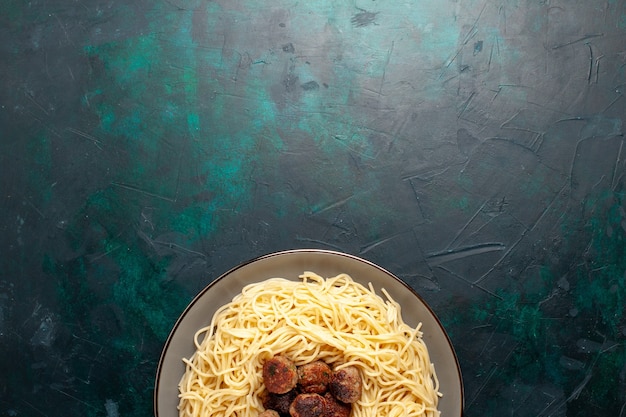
(207, 287)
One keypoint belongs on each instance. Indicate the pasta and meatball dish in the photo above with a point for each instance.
(284, 348)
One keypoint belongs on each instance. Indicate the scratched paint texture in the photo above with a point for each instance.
(474, 148)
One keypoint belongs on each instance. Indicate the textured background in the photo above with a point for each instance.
(472, 147)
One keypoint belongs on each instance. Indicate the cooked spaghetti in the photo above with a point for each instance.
(336, 320)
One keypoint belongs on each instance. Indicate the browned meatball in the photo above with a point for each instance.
(280, 375)
(308, 405)
(336, 408)
(346, 384)
(314, 377)
(278, 402)
(269, 413)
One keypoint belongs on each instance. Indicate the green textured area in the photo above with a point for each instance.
(225, 133)
(543, 334)
(126, 304)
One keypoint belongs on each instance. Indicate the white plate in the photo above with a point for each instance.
(290, 264)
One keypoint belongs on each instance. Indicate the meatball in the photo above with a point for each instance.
(278, 402)
(308, 405)
(346, 384)
(314, 377)
(335, 408)
(280, 375)
(269, 413)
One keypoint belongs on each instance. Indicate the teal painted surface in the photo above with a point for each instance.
(564, 329)
(474, 148)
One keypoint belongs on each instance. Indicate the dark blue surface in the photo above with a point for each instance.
(473, 148)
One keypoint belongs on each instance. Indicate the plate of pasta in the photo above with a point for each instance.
(308, 333)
